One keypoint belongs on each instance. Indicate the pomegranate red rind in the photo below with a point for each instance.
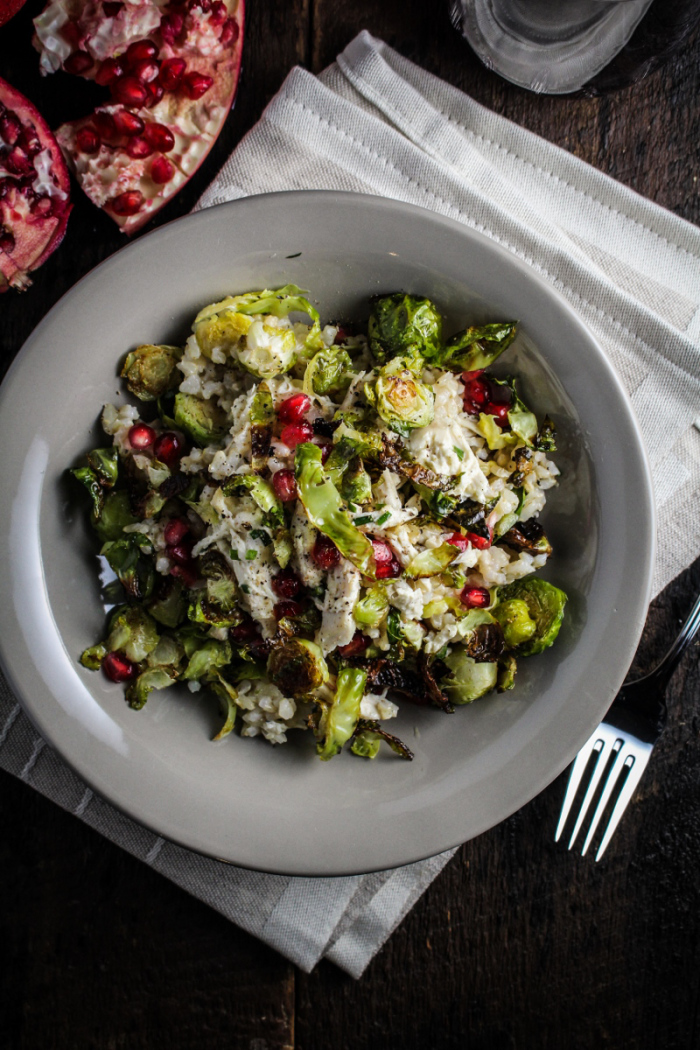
(169, 72)
(34, 190)
(9, 8)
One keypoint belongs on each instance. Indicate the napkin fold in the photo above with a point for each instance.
(375, 123)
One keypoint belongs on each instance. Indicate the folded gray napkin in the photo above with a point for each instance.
(375, 123)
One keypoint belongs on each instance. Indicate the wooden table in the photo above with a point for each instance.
(518, 943)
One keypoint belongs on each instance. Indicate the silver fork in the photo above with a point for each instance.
(623, 743)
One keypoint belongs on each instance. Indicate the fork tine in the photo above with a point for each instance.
(613, 777)
(603, 759)
(593, 744)
(633, 777)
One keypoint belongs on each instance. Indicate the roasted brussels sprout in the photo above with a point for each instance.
(401, 400)
(99, 476)
(527, 536)
(356, 486)
(432, 562)
(150, 371)
(208, 657)
(399, 323)
(132, 631)
(368, 737)
(545, 604)
(371, 610)
(467, 680)
(203, 420)
(130, 559)
(168, 604)
(329, 372)
(216, 606)
(339, 718)
(514, 617)
(297, 667)
(475, 348)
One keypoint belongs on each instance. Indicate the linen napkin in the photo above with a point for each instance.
(375, 123)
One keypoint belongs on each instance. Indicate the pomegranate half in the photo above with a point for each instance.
(34, 190)
(169, 71)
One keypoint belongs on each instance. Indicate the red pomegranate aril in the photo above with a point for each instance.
(382, 552)
(10, 127)
(458, 540)
(87, 140)
(324, 552)
(139, 50)
(389, 570)
(187, 573)
(355, 647)
(296, 434)
(112, 8)
(129, 91)
(70, 31)
(137, 147)
(155, 93)
(468, 376)
(78, 63)
(104, 122)
(171, 27)
(285, 485)
(29, 141)
(342, 334)
(219, 13)
(476, 395)
(159, 136)
(127, 203)
(127, 123)
(326, 449)
(479, 542)
(146, 70)
(294, 408)
(196, 84)
(180, 553)
(229, 32)
(7, 241)
(118, 668)
(18, 163)
(168, 448)
(287, 609)
(171, 73)
(244, 632)
(475, 597)
(141, 436)
(162, 170)
(286, 584)
(500, 412)
(110, 69)
(175, 531)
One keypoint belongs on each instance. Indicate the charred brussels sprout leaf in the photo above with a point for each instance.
(323, 504)
(99, 476)
(138, 691)
(216, 606)
(227, 701)
(207, 659)
(339, 718)
(546, 436)
(150, 371)
(87, 477)
(507, 668)
(371, 610)
(262, 417)
(92, 658)
(168, 605)
(297, 667)
(467, 680)
(476, 348)
(116, 514)
(527, 536)
(132, 631)
(366, 743)
(404, 634)
(368, 737)
(432, 562)
(204, 421)
(132, 565)
(356, 486)
(400, 399)
(545, 604)
(262, 492)
(400, 323)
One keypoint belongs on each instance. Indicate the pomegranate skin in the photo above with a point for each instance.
(9, 8)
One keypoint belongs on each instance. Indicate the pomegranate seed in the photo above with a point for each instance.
(138, 147)
(219, 13)
(146, 70)
(245, 632)
(324, 552)
(389, 570)
(155, 93)
(229, 32)
(175, 531)
(187, 573)
(475, 597)
(70, 31)
(78, 63)
(129, 91)
(162, 170)
(294, 408)
(355, 647)
(287, 609)
(203, 5)
(88, 141)
(286, 584)
(326, 449)
(168, 448)
(141, 436)
(159, 136)
(18, 163)
(10, 127)
(29, 141)
(171, 27)
(458, 540)
(296, 434)
(171, 72)
(110, 69)
(196, 84)
(127, 123)
(467, 376)
(127, 203)
(382, 552)
(479, 542)
(105, 125)
(342, 334)
(119, 668)
(139, 50)
(285, 485)
(500, 412)
(180, 553)
(7, 241)
(476, 395)
(112, 8)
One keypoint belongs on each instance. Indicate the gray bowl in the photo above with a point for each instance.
(280, 809)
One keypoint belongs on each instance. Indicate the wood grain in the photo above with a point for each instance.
(518, 944)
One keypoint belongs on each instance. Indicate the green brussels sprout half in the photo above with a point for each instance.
(339, 718)
(115, 515)
(545, 604)
(329, 373)
(99, 476)
(401, 400)
(297, 667)
(366, 744)
(168, 605)
(92, 658)
(475, 348)
(127, 558)
(138, 691)
(207, 658)
(507, 668)
(371, 610)
(432, 562)
(468, 680)
(204, 421)
(356, 486)
(514, 617)
(267, 352)
(151, 371)
(400, 322)
(132, 631)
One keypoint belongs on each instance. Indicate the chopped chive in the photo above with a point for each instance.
(245, 588)
(385, 517)
(459, 451)
(251, 555)
(364, 519)
(234, 554)
(262, 536)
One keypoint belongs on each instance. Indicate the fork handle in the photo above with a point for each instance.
(661, 674)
